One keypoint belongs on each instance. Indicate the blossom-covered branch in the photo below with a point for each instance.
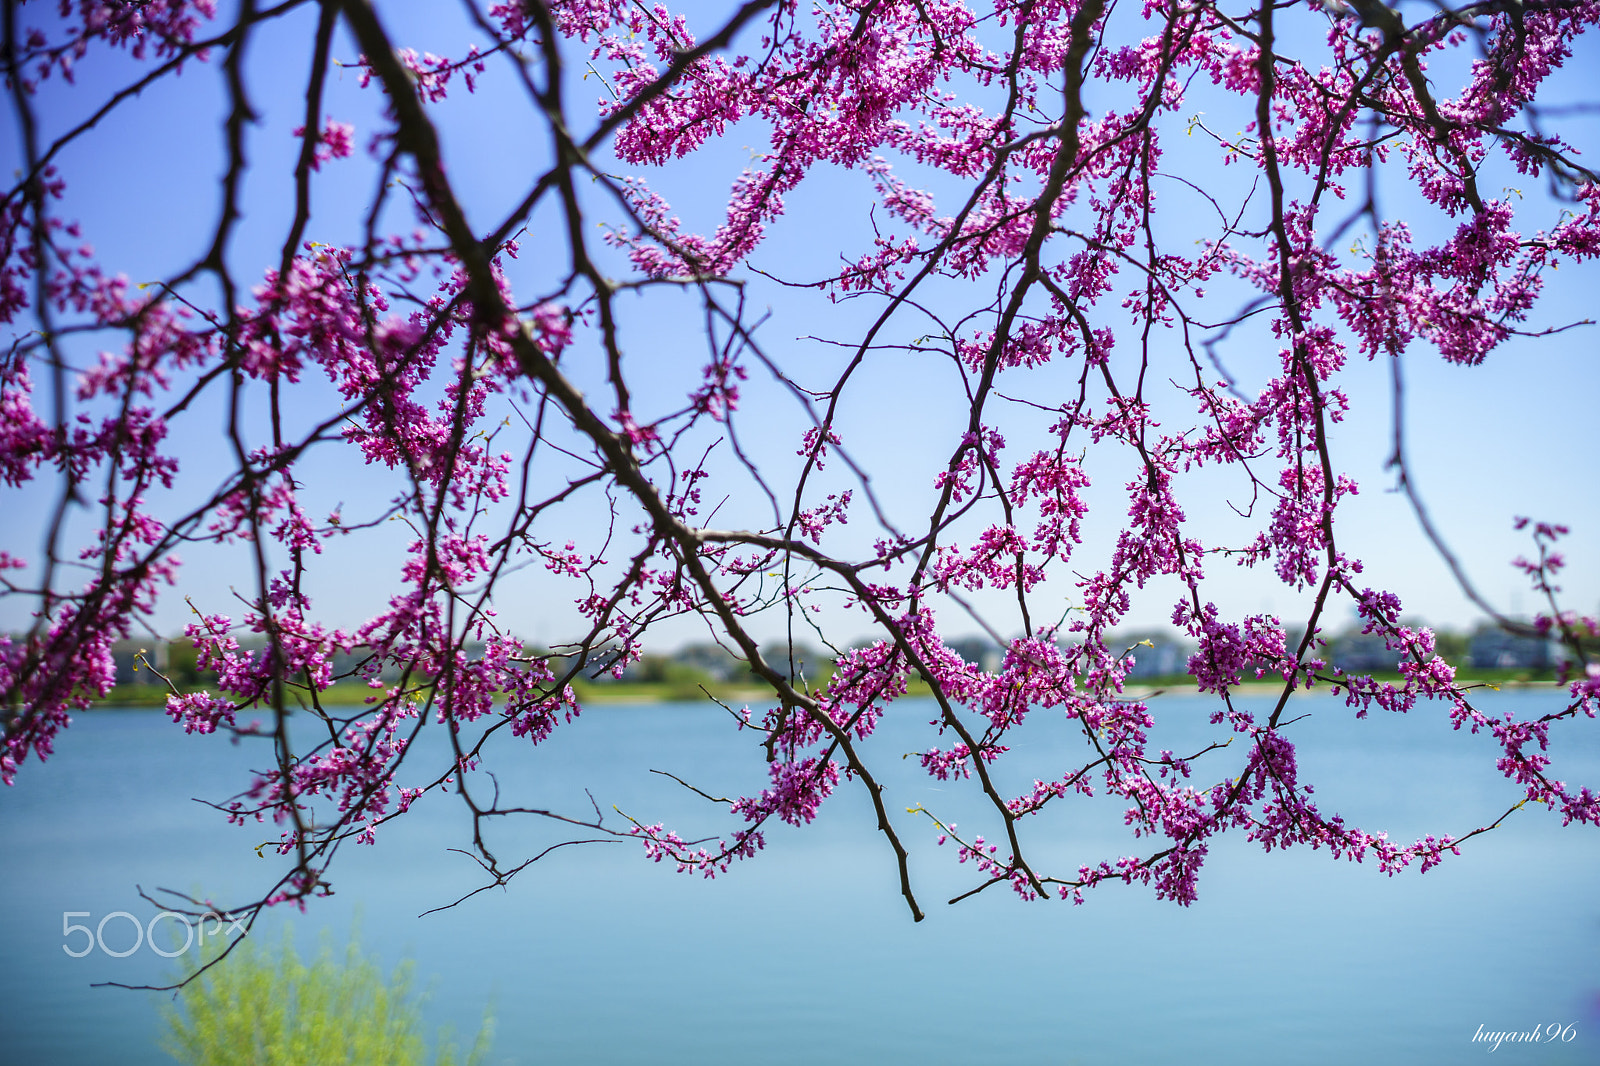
(563, 392)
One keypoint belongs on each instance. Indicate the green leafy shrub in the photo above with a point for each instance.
(265, 1007)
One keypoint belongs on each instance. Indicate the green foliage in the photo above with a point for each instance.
(265, 1007)
(658, 669)
(1451, 646)
(183, 666)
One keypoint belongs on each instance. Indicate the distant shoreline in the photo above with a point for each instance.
(645, 692)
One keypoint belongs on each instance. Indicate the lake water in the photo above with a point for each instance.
(808, 954)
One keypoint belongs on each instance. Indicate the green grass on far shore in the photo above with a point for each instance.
(346, 694)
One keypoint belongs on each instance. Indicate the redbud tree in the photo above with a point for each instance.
(569, 392)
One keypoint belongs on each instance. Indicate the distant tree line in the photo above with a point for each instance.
(1154, 653)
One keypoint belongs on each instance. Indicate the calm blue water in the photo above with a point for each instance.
(808, 953)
